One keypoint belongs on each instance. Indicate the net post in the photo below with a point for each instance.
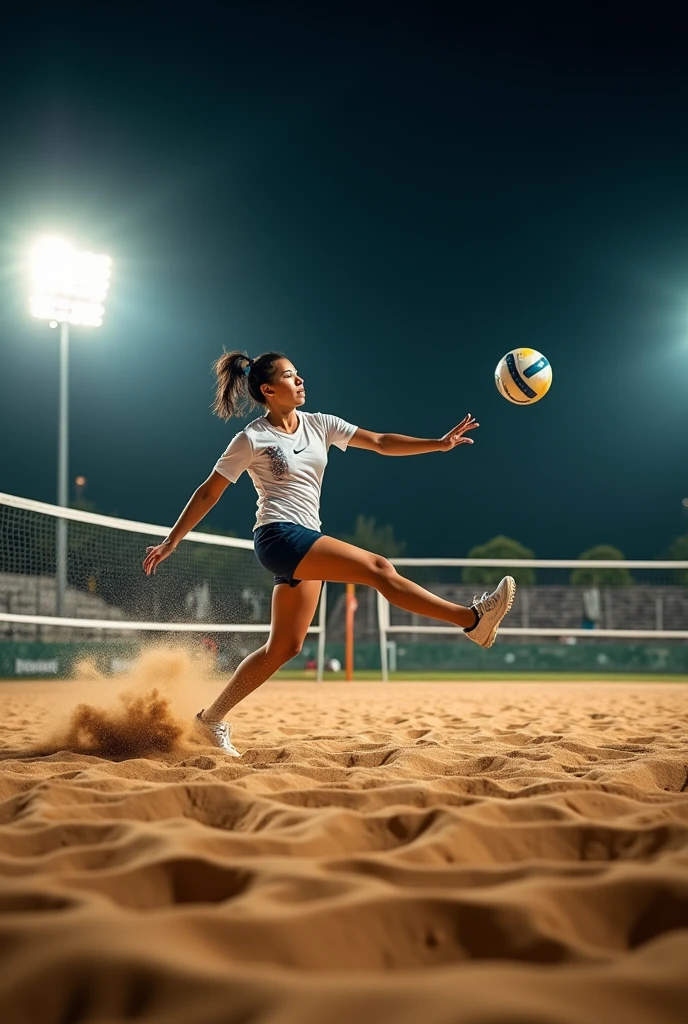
(350, 610)
(322, 616)
(382, 624)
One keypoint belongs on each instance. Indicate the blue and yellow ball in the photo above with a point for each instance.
(523, 376)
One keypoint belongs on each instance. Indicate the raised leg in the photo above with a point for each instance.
(338, 562)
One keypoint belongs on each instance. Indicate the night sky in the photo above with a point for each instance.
(394, 201)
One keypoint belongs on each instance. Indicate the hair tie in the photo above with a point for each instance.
(247, 368)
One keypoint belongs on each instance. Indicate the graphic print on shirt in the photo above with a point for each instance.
(278, 461)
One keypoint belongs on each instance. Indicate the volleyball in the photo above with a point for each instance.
(523, 376)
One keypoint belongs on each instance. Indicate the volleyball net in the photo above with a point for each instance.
(72, 586)
(569, 615)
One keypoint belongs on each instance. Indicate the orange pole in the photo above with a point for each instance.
(351, 605)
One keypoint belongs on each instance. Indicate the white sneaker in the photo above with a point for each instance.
(491, 609)
(215, 734)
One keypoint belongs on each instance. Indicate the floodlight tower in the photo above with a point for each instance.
(68, 287)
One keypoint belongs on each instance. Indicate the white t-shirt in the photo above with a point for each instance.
(286, 469)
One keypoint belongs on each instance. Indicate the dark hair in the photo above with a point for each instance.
(237, 389)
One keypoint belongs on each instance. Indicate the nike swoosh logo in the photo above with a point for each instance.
(299, 450)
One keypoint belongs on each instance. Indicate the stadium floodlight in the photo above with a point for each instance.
(68, 286)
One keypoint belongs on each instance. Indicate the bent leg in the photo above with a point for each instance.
(339, 562)
(293, 609)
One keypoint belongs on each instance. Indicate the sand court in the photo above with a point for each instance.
(479, 852)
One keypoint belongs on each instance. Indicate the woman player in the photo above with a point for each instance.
(285, 454)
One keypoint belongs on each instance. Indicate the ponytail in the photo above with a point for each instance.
(239, 380)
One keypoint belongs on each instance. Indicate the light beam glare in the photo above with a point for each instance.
(68, 285)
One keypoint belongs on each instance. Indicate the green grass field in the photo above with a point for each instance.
(531, 677)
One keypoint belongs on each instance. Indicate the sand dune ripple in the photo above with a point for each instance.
(410, 852)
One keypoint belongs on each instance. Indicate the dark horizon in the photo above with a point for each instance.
(394, 203)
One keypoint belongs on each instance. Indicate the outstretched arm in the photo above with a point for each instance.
(201, 502)
(400, 444)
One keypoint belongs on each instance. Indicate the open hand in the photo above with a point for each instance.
(455, 436)
(155, 555)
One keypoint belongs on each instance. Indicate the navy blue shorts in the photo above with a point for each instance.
(280, 547)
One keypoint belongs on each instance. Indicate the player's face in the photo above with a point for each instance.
(287, 386)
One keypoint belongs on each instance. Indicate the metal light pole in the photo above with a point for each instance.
(69, 287)
(62, 468)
